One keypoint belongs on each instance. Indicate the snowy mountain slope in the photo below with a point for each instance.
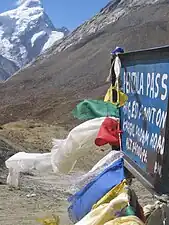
(26, 32)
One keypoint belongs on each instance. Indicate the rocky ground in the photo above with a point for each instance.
(43, 195)
(21, 207)
(39, 196)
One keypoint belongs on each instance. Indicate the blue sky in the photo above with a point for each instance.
(68, 13)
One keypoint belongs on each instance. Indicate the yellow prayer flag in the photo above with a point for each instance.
(109, 97)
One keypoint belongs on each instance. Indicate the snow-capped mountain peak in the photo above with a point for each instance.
(26, 32)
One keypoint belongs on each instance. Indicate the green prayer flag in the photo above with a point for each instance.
(90, 109)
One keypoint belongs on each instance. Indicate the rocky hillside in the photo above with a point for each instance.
(110, 14)
(77, 67)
